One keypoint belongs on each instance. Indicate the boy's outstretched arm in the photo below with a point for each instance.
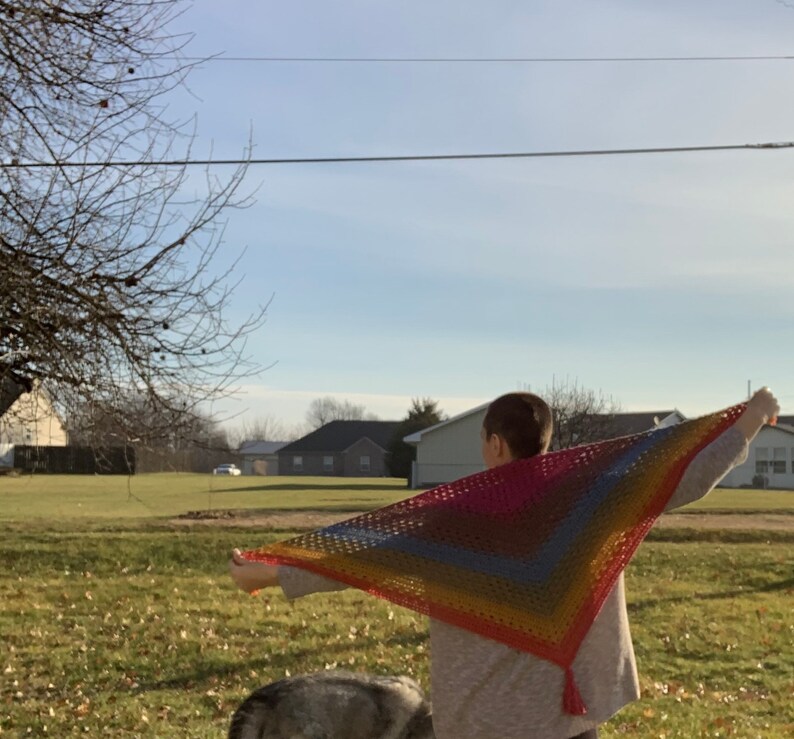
(728, 450)
(761, 409)
(252, 576)
(295, 583)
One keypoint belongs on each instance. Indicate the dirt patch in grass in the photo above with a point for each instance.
(299, 520)
(734, 521)
(278, 520)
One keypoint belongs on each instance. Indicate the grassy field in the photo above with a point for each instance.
(135, 630)
(62, 498)
(726, 499)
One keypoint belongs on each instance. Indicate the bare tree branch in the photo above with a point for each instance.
(581, 415)
(327, 409)
(109, 290)
(264, 428)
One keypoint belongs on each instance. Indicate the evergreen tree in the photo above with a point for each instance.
(422, 414)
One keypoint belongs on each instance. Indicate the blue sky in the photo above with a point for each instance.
(662, 280)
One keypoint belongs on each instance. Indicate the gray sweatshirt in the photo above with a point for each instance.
(482, 689)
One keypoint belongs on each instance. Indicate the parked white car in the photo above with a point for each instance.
(227, 469)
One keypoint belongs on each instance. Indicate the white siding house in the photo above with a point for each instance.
(449, 450)
(27, 418)
(453, 449)
(770, 456)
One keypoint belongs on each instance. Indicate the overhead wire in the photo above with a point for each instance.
(432, 157)
(775, 145)
(490, 60)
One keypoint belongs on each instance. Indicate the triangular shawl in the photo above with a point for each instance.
(525, 553)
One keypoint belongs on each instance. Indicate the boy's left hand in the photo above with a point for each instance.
(251, 576)
(762, 408)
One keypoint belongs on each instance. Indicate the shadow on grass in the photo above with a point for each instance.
(277, 663)
(686, 535)
(245, 513)
(208, 674)
(642, 605)
(347, 486)
(407, 639)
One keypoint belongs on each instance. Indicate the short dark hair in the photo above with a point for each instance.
(523, 420)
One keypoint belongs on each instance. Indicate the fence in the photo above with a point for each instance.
(75, 460)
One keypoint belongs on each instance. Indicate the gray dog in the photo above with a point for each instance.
(335, 705)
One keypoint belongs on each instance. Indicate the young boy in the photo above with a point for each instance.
(482, 689)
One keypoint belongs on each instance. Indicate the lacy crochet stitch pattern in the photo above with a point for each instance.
(525, 553)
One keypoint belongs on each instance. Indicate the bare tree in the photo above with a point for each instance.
(265, 428)
(327, 409)
(109, 289)
(195, 444)
(581, 415)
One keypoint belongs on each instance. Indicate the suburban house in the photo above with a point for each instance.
(770, 459)
(452, 449)
(27, 417)
(340, 448)
(260, 457)
(449, 450)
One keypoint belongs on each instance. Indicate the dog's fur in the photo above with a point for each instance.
(335, 705)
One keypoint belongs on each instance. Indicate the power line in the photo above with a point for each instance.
(399, 158)
(490, 60)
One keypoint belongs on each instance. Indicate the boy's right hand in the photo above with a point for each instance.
(251, 576)
(762, 408)
(764, 404)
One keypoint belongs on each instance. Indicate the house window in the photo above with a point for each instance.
(761, 460)
(297, 464)
(363, 463)
(779, 460)
(328, 464)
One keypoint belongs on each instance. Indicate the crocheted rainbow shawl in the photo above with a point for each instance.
(524, 554)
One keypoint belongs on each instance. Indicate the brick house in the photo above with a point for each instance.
(340, 449)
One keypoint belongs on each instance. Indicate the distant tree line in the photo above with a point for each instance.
(581, 415)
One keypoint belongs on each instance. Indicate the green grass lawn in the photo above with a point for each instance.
(733, 500)
(137, 630)
(61, 498)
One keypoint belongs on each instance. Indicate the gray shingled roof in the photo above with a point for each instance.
(260, 447)
(625, 424)
(337, 436)
(788, 428)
